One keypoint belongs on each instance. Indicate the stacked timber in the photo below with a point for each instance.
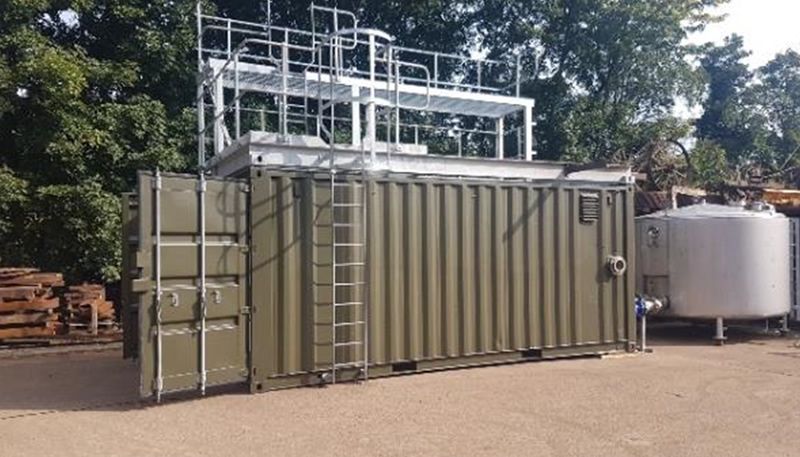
(87, 308)
(28, 306)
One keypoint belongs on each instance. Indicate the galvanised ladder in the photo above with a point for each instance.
(349, 313)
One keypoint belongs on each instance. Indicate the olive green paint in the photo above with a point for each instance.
(460, 273)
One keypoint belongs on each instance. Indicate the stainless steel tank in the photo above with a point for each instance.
(715, 261)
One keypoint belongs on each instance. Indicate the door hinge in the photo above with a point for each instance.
(244, 249)
(245, 310)
(245, 188)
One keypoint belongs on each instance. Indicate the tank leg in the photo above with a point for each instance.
(644, 333)
(719, 336)
(785, 325)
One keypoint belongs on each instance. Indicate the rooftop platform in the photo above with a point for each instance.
(309, 153)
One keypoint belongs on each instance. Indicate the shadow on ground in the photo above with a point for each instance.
(672, 333)
(59, 382)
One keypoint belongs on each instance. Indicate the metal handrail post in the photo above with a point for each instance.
(397, 106)
(201, 83)
(237, 115)
(388, 110)
(436, 70)
(228, 39)
(284, 85)
(371, 103)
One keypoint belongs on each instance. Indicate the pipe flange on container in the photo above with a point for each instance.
(617, 265)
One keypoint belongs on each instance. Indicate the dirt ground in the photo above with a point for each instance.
(687, 398)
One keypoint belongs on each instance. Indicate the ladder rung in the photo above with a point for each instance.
(349, 343)
(348, 303)
(350, 264)
(348, 284)
(348, 245)
(337, 225)
(348, 184)
(348, 205)
(349, 324)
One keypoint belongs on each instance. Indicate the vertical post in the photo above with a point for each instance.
(219, 116)
(355, 116)
(436, 70)
(388, 109)
(283, 112)
(331, 71)
(201, 191)
(158, 292)
(460, 153)
(94, 324)
(371, 103)
(201, 82)
(397, 105)
(527, 124)
(237, 115)
(305, 104)
(479, 75)
(644, 333)
(719, 335)
(500, 140)
(228, 40)
(518, 69)
(416, 134)
(336, 43)
(263, 118)
(319, 88)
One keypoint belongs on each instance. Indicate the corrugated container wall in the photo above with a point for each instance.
(459, 273)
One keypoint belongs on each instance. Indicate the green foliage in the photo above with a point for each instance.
(753, 116)
(725, 119)
(88, 95)
(13, 200)
(710, 165)
(93, 90)
(607, 67)
(776, 100)
(76, 230)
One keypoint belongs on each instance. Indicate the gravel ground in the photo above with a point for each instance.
(688, 398)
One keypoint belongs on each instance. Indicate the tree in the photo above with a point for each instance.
(606, 67)
(775, 100)
(92, 90)
(70, 118)
(710, 165)
(754, 117)
(725, 120)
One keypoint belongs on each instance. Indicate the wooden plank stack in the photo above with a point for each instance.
(28, 306)
(87, 308)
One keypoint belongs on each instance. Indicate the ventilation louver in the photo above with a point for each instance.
(589, 207)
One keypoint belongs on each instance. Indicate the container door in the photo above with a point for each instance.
(129, 271)
(191, 263)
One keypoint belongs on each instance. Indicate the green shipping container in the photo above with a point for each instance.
(453, 272)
